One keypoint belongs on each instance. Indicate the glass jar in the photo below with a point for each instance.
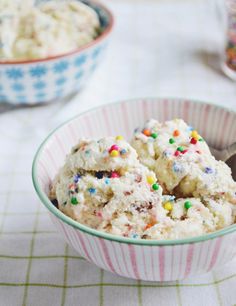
(229, 62)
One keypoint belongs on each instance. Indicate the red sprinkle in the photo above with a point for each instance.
(184, 151)
(113, 147)
(193, 141)
(177, 153)
(114, 175)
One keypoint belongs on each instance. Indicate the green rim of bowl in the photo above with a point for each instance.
(44, 198)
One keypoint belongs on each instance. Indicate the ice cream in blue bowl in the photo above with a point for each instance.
(49, 49)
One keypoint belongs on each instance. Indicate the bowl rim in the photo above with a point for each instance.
(99, 234)
(98, 39)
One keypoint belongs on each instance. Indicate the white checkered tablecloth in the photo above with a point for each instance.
(159, 48)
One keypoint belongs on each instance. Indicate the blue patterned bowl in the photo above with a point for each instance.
(44, 80)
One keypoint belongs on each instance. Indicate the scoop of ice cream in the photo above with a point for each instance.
(115, 194)
(182, 161)
(154, 139)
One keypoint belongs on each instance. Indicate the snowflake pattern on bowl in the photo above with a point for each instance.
(15, 73)
(39, 85)
(38, 71)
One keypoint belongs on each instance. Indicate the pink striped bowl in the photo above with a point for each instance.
(138, 259)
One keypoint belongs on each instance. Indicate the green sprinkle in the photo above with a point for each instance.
(74, 201)
(181, 149)
(171, 140)
(154, 135)
(187, 204)
(155, 186)
(200, 139)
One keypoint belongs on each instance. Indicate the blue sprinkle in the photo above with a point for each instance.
(177, 167)
(136, 130)
(166, 153)
(87, 152)
(190, 128)
(208, 170)
(107, 181)
(171, 198)
(168, 198)
(92, 190)
(135, 236)
(76, 178)
(123, 151)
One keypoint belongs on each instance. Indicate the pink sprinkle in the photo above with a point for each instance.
(114, 147)
(114, 175)
(99, 214)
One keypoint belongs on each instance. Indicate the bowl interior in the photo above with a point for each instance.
(217, 125)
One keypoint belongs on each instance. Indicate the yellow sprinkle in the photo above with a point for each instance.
(114, 153)
(119, 137)
(194, 134)
(168, 206)
(151, 180)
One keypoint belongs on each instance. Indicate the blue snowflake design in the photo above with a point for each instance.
(38, 71)
(39, 85)
(61, 66)
(15, 73)
(40, 95)
(96, 52)
(21, 99)
(80, 60)
(18, 87)
(61, 81)
(79, 75)
(59, 93)
(93, 67)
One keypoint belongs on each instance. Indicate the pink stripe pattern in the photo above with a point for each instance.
(106, 254)
(151, 263)
(133, 261)
(189, 260)
(161, 263)
(215, 253)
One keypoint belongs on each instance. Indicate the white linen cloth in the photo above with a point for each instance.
(159, 48)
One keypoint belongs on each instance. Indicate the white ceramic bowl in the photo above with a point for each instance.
(138, 259)
(44, 80)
